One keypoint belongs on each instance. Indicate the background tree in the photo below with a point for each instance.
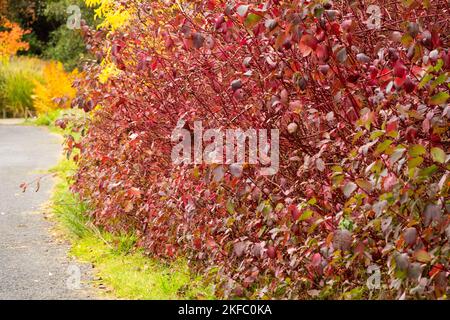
(47, 20)
(64, 44)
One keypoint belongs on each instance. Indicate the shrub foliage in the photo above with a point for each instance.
(11, 39)
(363, 118)
(56, 91)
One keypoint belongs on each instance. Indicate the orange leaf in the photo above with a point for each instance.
(422, 256)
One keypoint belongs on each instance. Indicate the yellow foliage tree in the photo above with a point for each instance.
(114, 14)
(11, 38)
(56, 91)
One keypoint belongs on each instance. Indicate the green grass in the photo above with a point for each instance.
(17, 78)
(120, 266)
(135, 276)
(48, 119)
(69, 210)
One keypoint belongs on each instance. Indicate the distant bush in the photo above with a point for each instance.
(48, 36)
(56, 91)
(34, 85)
(65, 45)
(11, 38)
(18, 78)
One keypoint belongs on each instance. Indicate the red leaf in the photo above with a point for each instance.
(436, 269)
(392, 125)
(389, 182)
(308, 44)
(271, 252)
(399, 69)
(134, 192)
(322, 53)
(316, 260)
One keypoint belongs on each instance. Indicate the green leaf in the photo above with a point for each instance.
(252, 20)
(306, 215)
(439, 98)
(417, 150)
(383, 146)
(365, 185)
(357, 136)
(318, 11)
(425, 80)
(439, 65)
(393, 134)
(346, 224)
(376, 134)
(407, 40)
(230, 207)
(428, 171)
(439, 80)
(415, 162)
(261, 231)
(375, 167)
(408, 3)
(422, 256)
(337, 179)
(279, 207)
(438, 155)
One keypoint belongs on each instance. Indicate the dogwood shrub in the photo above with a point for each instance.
(358, 90)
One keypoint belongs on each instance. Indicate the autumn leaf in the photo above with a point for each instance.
(252, 19)
(417, 150)
(308, 43)
(422, 256)
(438, 155)
(349, 188)
(439, 98)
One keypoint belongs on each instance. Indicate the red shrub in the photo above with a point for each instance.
(363, 119)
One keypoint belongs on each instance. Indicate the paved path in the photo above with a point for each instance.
(33, 264)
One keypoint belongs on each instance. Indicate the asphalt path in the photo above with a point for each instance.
(33, 262)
